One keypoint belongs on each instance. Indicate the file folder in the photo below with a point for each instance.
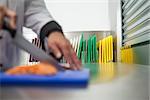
(94, 48)
(100, 51)
(80, 46)
(105, 56)
(85, 51)
(103, 49)
(111, 47)
(83, 57)
(76, 43)
(97, 56)
(89, 50)
(73, 43)
(106, 49)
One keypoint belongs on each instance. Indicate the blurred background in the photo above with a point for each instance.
(111, 38)
(127, 21)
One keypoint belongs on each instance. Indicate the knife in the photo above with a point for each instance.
(25, 45)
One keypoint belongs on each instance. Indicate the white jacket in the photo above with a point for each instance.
(31, 14)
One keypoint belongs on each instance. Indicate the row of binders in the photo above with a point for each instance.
(126, 53)
(92, 50)
(88, 50)
(105, 47)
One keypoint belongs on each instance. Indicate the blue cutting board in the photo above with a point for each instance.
(67, 78)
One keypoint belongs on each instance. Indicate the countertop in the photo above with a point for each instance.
(111, 81)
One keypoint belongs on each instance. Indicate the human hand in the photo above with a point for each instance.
(5, 12)
(61, 46)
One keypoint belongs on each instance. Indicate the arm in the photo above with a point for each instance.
(38, 18)
(40, 21)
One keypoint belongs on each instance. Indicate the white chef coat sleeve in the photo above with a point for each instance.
(37, 15)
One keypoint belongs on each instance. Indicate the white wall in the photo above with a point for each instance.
(77, 15)
(114, 7)
(82, 15)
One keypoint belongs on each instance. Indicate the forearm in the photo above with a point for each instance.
(36, 15)
(48, 28)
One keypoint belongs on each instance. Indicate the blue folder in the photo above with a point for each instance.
(67, 78)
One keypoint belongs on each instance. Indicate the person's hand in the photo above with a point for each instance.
(61, 46)
(11, 15)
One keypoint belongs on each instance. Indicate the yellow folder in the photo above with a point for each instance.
(106, 43)
(105, 55)
(111, 48)
(109, 42)
(100, 51)
(103, 51)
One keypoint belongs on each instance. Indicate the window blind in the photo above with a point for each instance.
(135, 21)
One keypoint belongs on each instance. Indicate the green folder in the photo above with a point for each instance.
(89, 50)
(85, 50)
(80, 47)
(97, 56)
(84, 45)
(94, 48)
(88, 58)
(83, 57)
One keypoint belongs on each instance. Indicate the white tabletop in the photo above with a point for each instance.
(113, 81)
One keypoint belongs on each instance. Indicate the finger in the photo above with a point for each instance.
(74, 58)
(8, 13)
(1, 16)
(65, 48)
(12, 15)
(55, 50)
(76, 61)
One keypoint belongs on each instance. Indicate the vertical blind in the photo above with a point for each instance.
(135, 21)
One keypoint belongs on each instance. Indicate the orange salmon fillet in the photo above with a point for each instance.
(38, 69)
